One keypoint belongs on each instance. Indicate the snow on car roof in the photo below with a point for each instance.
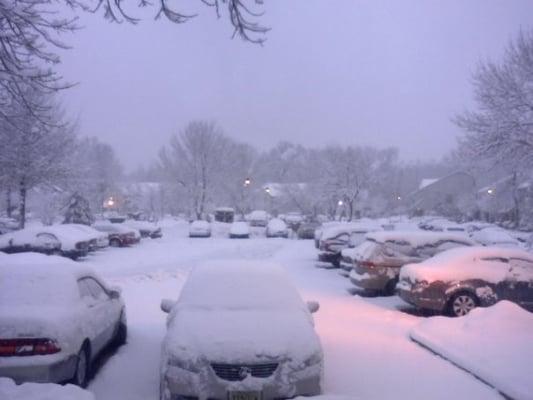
(276, 223)
(239, 285)
(464, 263)
(417, 238)
(239, 228)
(258, 214)
(362, 227)
(19, 238)
(494, 236)
(31, 278)
(200, 223)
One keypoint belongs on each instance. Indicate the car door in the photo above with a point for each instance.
(92, 315)
(521, 277)
(108, 310)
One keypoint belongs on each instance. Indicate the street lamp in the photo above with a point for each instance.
(247, 182)
(110, 202)
(399, 198)
(267, 190)
(340, 203)
(490, 191)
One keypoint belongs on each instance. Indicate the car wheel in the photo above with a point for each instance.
(390, 288)
(114, 243)
(462, 303)
(81, 375)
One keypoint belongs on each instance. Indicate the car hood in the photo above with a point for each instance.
(241, 336)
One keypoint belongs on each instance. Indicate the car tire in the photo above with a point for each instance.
(83, 363)
(462, 303)
(115, 243)
(390, 288)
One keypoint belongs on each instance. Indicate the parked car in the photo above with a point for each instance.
(494, 236)
(320, 230)
(294, 219)
(277, 228)
(199, 229)
(258, 218)
(146, 229)
(30, 240)
(119, 234)
(376, 266)
(97, 239)
(55, 318)
(8, 225)
(339, 237)
(239, 230)
(307, 230)
(217, 347)
(458, 280)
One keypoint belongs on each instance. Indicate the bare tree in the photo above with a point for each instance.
(195, 160)
(34, 151)
(501, 129)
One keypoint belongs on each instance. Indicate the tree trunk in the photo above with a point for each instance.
(8, 202)
(22, 204)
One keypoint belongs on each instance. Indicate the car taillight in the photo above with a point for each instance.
(28, 347)
(367, 264)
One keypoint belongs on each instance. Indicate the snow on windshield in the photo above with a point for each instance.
(239, 285)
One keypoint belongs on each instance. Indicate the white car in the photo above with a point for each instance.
(55, 317)
(219, 344)
(199, 229)
(258, 218)
(277, 228)
(145, 228)
(97, 239)
(493, 236)
(239, 230)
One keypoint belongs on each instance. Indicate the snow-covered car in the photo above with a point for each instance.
(277, 228)
(307, 230)
(55, 318)
(294, 219)
(120, 235)
(377, 262)
(333, 240)
(8, 225)
(97, 239)
(217, 347)
(73, 243)
(258, 218)
(29, 240)
(200, 229)
(438, 224)
(145, 228)
(493, 236)
(239, 230)
(458, 280)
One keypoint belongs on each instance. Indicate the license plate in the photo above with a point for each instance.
(244, 395)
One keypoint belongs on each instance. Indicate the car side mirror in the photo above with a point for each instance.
(114, 294)
(166, 305)
(313, 306)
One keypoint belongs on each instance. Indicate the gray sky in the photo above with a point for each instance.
(332, 71)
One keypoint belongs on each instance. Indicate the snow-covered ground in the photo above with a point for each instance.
(368, 353)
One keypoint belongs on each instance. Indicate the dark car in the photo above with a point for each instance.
(119, 234)
(307, 230)
(376, 266)
(333, 240)
(458, 280)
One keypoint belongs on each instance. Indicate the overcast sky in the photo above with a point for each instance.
(383, 73)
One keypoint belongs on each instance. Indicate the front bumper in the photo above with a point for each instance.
(376, 278)
(40, 369)
(180, 384)
(421, 298)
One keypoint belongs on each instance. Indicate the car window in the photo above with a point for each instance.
(85, 292)
(97, 290)
(496, 259)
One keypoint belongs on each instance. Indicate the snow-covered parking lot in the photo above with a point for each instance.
(368, 352)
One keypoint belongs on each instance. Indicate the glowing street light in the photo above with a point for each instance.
(110, 202)
(267, 190)
(399, 198)
(490, 191)
(340, 203)
(247, 182)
